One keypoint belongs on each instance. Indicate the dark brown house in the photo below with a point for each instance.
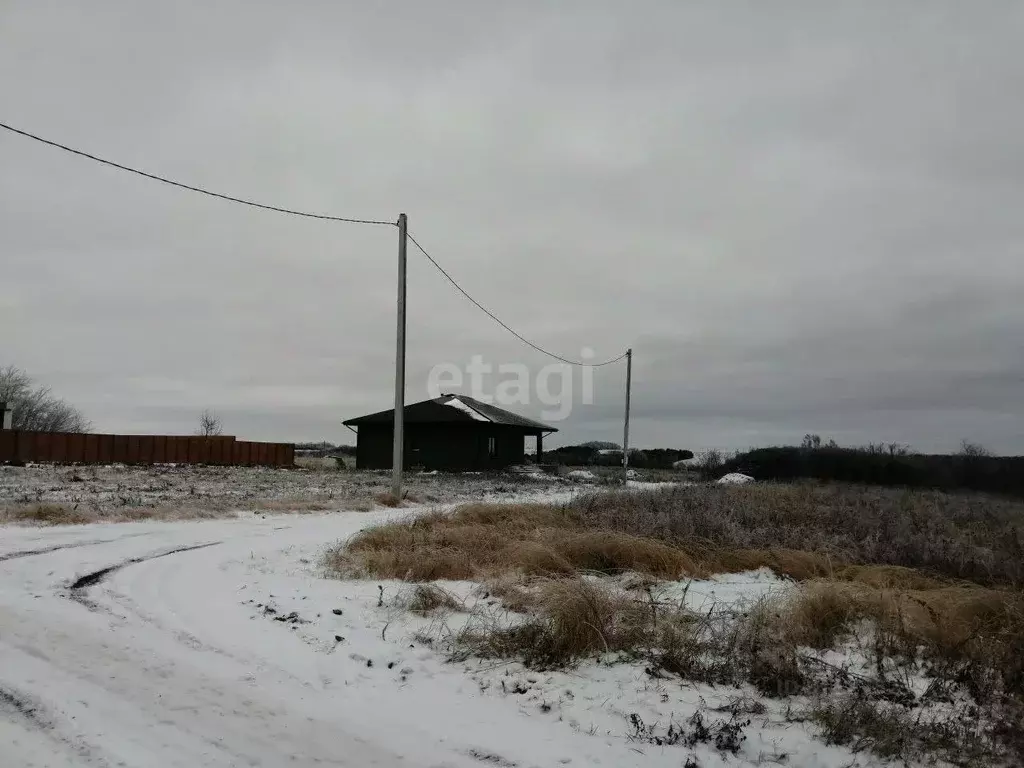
(451, 432)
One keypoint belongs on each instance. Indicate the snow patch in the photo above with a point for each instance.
(461, 406)
(581, 474)
(735, 478)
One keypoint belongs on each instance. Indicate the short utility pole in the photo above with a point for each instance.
(625, 430)
(398, 451)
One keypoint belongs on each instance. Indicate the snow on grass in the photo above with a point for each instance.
(605, 699)
(723, 592)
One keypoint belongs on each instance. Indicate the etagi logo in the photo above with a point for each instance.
(552, 386)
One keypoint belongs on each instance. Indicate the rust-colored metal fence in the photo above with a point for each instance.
(71, 448)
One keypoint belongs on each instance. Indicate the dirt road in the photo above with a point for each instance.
(141, 645)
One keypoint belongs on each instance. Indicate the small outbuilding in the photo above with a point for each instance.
(451, 432)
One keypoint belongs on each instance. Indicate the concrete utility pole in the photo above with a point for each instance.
(398, 452)
(625, 430)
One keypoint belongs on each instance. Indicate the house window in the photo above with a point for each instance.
(492, 447)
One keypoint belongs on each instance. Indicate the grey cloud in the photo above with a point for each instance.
(803, 217)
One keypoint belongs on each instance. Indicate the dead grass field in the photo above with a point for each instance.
(974, 537)
(914, 586)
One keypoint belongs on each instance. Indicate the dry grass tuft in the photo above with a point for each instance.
(795, 564)
(609, 552)
(515, 595)
(570, 619)
(971, 635)
(483, 540)
(823, 612)
(292, 505)
(890, 577)
(45, 514)
(387, 499)
(427, 598)
(946, 617)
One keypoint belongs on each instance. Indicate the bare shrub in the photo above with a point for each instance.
(209, 425)
(853, 720)
(709, 464)
(896, 732)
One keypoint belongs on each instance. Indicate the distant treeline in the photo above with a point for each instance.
(590, 455)
(971, 469)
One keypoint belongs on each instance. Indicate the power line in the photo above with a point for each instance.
(189, 187)
(304, 214)
(493, 317)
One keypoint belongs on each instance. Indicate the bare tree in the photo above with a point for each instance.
(811, 442)
(971, 450)
(209, 425)
(35, 408)
(709, 463)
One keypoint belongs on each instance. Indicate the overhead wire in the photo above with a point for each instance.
(306, 214)
(495, 318)
(190, 187)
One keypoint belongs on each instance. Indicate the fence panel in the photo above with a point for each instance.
(159, 449)
(120, 449)
(59, 447)
(146, 449)
(74, 448)
(106, 449)
(40, 446)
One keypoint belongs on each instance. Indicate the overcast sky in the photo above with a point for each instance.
(803, 217)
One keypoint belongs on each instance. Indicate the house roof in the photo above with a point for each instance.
(460, 409)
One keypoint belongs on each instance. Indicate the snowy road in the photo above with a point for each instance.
(139, 645)
(216, 643)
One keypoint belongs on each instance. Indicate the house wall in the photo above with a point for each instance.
(442, 446)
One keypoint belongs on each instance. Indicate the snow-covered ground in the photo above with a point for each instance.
(169, 492)
(217, 643)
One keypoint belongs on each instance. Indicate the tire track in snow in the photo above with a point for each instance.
(77, 588)
(34, 716)
(75, 545)
(20, 705)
